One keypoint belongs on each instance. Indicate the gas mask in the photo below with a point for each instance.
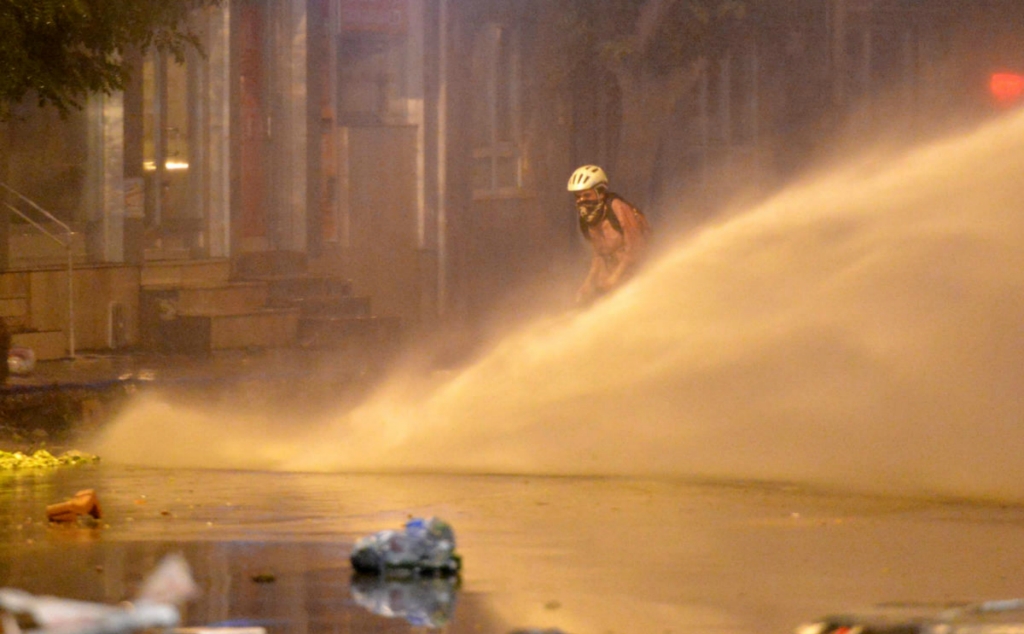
(591, 211)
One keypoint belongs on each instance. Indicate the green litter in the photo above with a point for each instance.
(43, 459)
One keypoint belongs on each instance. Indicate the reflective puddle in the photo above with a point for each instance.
(583, 555)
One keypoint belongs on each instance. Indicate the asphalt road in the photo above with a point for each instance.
(588, 556)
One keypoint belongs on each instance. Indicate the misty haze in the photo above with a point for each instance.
(685, 315)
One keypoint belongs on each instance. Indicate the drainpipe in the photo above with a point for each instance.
(71, 295)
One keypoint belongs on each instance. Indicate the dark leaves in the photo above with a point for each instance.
(60, 51)
(686, 30)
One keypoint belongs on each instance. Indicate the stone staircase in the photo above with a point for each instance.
(199, 306)
(330, 316)
(193, 306)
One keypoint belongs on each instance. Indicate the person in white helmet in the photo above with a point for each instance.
(617, 232)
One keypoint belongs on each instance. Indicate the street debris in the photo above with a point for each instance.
(42, 458)
(423, 602)
(424, 547)
(156, 606)
(989, 617)
(83, 503)
(21, 361)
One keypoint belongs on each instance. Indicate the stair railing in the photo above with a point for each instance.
(66, 242)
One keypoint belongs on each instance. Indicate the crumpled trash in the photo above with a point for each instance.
(156, 606)
(21, 360)
(84, 503)
(989, 617)
(424, 547)
(423, 602)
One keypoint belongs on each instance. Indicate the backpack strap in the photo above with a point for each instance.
(641, 218)
(609, 213)
(606, 214)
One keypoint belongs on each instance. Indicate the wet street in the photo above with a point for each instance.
(587, 556)
(318, 277)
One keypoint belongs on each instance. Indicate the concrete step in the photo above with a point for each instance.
(283, 289)
(265, 328)
(269, 263)
(47, 344)
(331, 306)
(237, 297)
(383, 333)
(31, 263)
(164, 253)
(208, 272)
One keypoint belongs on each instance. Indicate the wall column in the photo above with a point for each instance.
(289, 126)
(216, 131)
(105, 179)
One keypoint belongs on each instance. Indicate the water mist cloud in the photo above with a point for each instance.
(863, 330)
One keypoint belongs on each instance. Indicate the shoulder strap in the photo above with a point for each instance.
(641, 218)
(613, 220)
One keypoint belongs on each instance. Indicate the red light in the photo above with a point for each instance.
(1006, 87)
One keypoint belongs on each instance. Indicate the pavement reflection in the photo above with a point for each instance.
(580, 555)
(423, 602)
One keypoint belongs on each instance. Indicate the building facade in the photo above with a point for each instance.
(419, 148)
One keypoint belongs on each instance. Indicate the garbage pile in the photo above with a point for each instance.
(425, 547)
(42, 459)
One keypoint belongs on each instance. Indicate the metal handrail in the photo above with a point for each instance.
(67, 244)
(41, 228)
(35, 206)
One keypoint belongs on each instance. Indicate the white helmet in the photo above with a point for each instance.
(587, 177)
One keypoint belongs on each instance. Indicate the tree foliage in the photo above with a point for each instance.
(654, 36)
(654, 51)
(59, 51)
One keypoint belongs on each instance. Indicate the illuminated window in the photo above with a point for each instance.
(165, 144)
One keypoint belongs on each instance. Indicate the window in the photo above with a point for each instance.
(497, 160)
(166, 90)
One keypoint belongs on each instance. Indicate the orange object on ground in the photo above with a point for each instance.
(84, 503)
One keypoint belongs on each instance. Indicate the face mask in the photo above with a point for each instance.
(590, 211)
